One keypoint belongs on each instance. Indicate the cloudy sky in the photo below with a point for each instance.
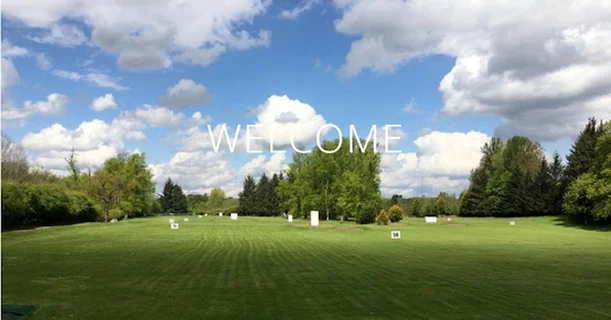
(150, 76)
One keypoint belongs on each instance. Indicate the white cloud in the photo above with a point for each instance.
(10, 76)
(443, 162)
(200, 172)
(43, 61)
(153, 116)
(542, 58)
(297, 11)
(145, 34)
(62, 34)
(200, 120)
(10, 50)
(281, 117)
(186, 93)
(104, 102)
(94, 142)
(96, 78)
(54, 105)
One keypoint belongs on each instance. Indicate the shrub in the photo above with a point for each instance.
(382, 218)
(28, 205)
(395, 213)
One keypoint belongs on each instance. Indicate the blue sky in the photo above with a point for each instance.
(450, 84)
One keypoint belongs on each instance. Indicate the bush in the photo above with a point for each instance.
(29, 205)
(383, 218)
(395, 213)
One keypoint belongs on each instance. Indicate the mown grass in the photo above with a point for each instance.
(264, 268)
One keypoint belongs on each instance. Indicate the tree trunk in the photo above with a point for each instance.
(106, 213)
(342, 219)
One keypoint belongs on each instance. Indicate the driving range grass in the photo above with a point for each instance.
(264, 268)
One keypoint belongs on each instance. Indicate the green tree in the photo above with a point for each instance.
(110, 185)
(556, 170)
(143, 187)
(179, 200)
(396, 213)
(166, 197)
(215, 199)
(382, 218)
(247, 197)
(440, 205)
(73, 170)
(417, 210)
(264, 196)
(583, 152)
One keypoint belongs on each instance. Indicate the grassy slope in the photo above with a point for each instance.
(263, 268)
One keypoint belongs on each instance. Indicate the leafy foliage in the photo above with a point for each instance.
(395, 213)
(383, 218)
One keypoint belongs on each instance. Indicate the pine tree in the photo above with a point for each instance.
(583, 152)
(167, 197)
(263, 196)
(179, 200)
(275, 199)
(556, 170)
(247, 197)
(472, 201)
(543, 194)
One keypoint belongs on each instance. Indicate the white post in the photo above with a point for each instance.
(290, 218)
(314, 218)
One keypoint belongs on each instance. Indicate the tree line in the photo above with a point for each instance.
(514, 178)
(261, 198)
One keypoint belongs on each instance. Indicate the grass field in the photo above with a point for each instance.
(264, 268)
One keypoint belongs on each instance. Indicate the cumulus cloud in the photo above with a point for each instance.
(200, 120)
(145, 34)
(55, 104)
(153, 116)
(442, 162)
(200, 171)
(281, 117)
(186, 93)
(104, 102)
(97, 79)
(543, 58)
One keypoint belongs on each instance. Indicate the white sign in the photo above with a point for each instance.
(395, 234)
(314, 218)
(290, 218)
(174, 226)
(186, 219)
(220, 214)
(512, 223)
(171, 220)
(430, 219)
(234, 216)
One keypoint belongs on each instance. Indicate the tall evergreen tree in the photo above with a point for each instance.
(167, 196)
(247, 197)
(556, 170)
(275, 208)
(583, 152)
(179, 200)
(264, 195)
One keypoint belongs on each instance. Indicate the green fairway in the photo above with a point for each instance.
(264, 268)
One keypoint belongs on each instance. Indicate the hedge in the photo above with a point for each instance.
(31, 205)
